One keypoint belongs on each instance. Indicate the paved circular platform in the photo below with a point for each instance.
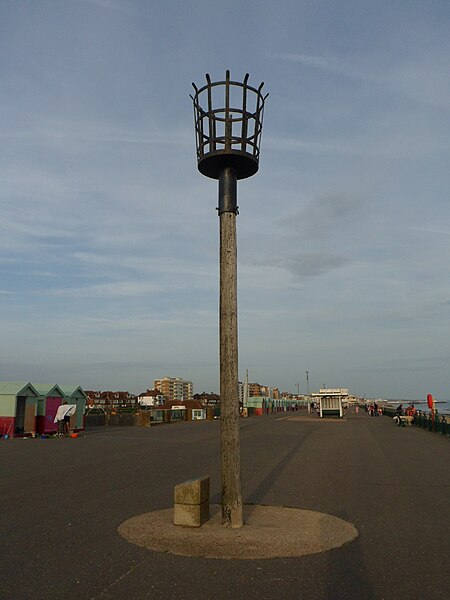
(269, 532)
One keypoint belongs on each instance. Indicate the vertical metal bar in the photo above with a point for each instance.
(227, 112)
(257, 121)
(244, 115)
(200, 131)
(259, 133)
(212, 121)
(196, 131)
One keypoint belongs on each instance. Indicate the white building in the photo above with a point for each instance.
(150, 398)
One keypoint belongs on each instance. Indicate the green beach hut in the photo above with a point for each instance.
(18, 408)
(74, 394)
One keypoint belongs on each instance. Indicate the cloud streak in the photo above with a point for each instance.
(313, 264)
(401, 77)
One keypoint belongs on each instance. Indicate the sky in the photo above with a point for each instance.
(109, 234)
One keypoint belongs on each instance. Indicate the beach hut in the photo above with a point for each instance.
(18, 408)
(74, 394)
(255, 405)
(50, 398)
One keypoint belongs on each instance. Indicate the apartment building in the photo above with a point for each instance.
(174, 388)
(254, 389)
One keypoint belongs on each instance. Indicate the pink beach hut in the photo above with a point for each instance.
(50, 398)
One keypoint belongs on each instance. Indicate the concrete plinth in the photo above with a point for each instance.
(191, 515)
(191, 502)
(193, 491)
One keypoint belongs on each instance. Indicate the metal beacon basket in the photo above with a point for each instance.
(228, 125)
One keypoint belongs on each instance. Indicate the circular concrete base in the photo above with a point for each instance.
(269, 532)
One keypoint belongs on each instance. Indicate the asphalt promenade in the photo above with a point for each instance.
(61, 501)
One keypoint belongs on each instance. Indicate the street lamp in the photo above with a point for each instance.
(228, 118)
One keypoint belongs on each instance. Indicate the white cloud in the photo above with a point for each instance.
(121, 6)
(326, 63)
(307, 146)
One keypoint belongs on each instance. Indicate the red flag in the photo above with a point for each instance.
(430, 401)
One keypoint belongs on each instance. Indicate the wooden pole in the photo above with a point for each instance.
(232, 513)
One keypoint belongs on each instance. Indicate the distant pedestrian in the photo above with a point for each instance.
(411, 411)
(375, 409)
(61, 423)
(66, 424)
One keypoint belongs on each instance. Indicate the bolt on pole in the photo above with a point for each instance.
(228, 136)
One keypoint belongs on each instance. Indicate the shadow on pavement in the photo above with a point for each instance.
(262, 488)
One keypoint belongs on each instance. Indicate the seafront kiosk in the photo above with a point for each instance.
(330, 401)
(18, 408)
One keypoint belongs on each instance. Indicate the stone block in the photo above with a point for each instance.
(191, 515)
(142, 419)
(194, 491)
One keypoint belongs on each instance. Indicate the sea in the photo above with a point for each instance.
(443, 407)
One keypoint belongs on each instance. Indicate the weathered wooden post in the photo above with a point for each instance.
(228, 136)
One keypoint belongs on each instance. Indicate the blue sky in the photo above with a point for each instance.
(109, 235)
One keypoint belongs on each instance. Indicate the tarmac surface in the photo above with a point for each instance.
(62, 501)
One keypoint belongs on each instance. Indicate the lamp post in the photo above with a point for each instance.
(307, 390)
(228, 118)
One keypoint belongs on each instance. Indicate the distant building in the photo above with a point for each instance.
(261, 391)
(111, 398)
(191, 410)
(151, 398)
(208, 399)
(174, 388)
(255, 389)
